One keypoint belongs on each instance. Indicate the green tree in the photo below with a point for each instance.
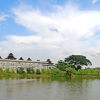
(20, 70)
(56, 72)
(78, 61)
(30, 70)
(71, 70)
(61, 65)
(38, 71)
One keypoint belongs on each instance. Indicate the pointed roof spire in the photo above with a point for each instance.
(49, 61)
(21, 58)
(29, 59)
(11, 56)
(0, 57)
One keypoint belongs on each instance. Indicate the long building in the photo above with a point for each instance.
(12, 62)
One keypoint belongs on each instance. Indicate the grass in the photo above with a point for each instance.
(49, 73)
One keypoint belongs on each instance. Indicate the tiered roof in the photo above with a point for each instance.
(29, 59)
(21, 58)
(49, 61)
(0, 57)
(11, 56)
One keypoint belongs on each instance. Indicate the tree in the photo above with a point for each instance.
(30, 70)
(20, 70)
(62, 65)
(38, 71)
(78, 61)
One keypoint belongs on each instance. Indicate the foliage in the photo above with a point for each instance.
(89, 72)
(46, 71)
(20, 70)
(38, 71)
(12, 71)
(78, 61)
(72, 70)
(1, 70)
(53, 72)
(7, 70)
(56, 72)
(61, 65)
(30, 70)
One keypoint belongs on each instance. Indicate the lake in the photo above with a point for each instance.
(50, 89)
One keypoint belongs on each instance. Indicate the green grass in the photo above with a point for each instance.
(48, 73)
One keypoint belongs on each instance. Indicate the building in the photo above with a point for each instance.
(13, 63)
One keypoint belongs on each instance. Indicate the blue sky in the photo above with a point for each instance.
(53, 29)
(10, 27)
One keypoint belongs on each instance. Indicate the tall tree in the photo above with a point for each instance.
(62, 65)
(78, 61)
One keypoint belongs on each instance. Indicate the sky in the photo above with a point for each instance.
(54, 29)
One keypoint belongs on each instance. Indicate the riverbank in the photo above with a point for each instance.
(48, 73)
(32, 76)
(21, 76)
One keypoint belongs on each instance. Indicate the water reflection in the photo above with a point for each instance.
(49, 89)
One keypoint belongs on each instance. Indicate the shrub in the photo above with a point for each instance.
(56, 72)
(12, 71)
(7, 70)
(38, 71)
(30, 70)
(72, 70)
(20, 70)
(1, 70)
(46, 71)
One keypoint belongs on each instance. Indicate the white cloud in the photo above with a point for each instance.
(59, 34)
(94, 1)
(66, 22)
(24, 39)
(3, 17)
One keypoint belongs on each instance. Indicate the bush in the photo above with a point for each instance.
(72, 70)
(38, 71)
(1, 70)
(12, 71)
(7, 70)
(30, 70)
(20, 70)
(56, 72)
(46, 71)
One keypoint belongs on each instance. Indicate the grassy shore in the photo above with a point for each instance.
(30, 73)
(48, 73)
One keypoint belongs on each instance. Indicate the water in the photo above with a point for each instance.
(48, 89)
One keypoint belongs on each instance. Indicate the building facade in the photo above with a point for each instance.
(13, 63)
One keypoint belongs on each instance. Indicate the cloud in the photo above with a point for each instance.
(3, 16)
(94, 1)
(56, 35)
(24, 39)
(80, 23)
